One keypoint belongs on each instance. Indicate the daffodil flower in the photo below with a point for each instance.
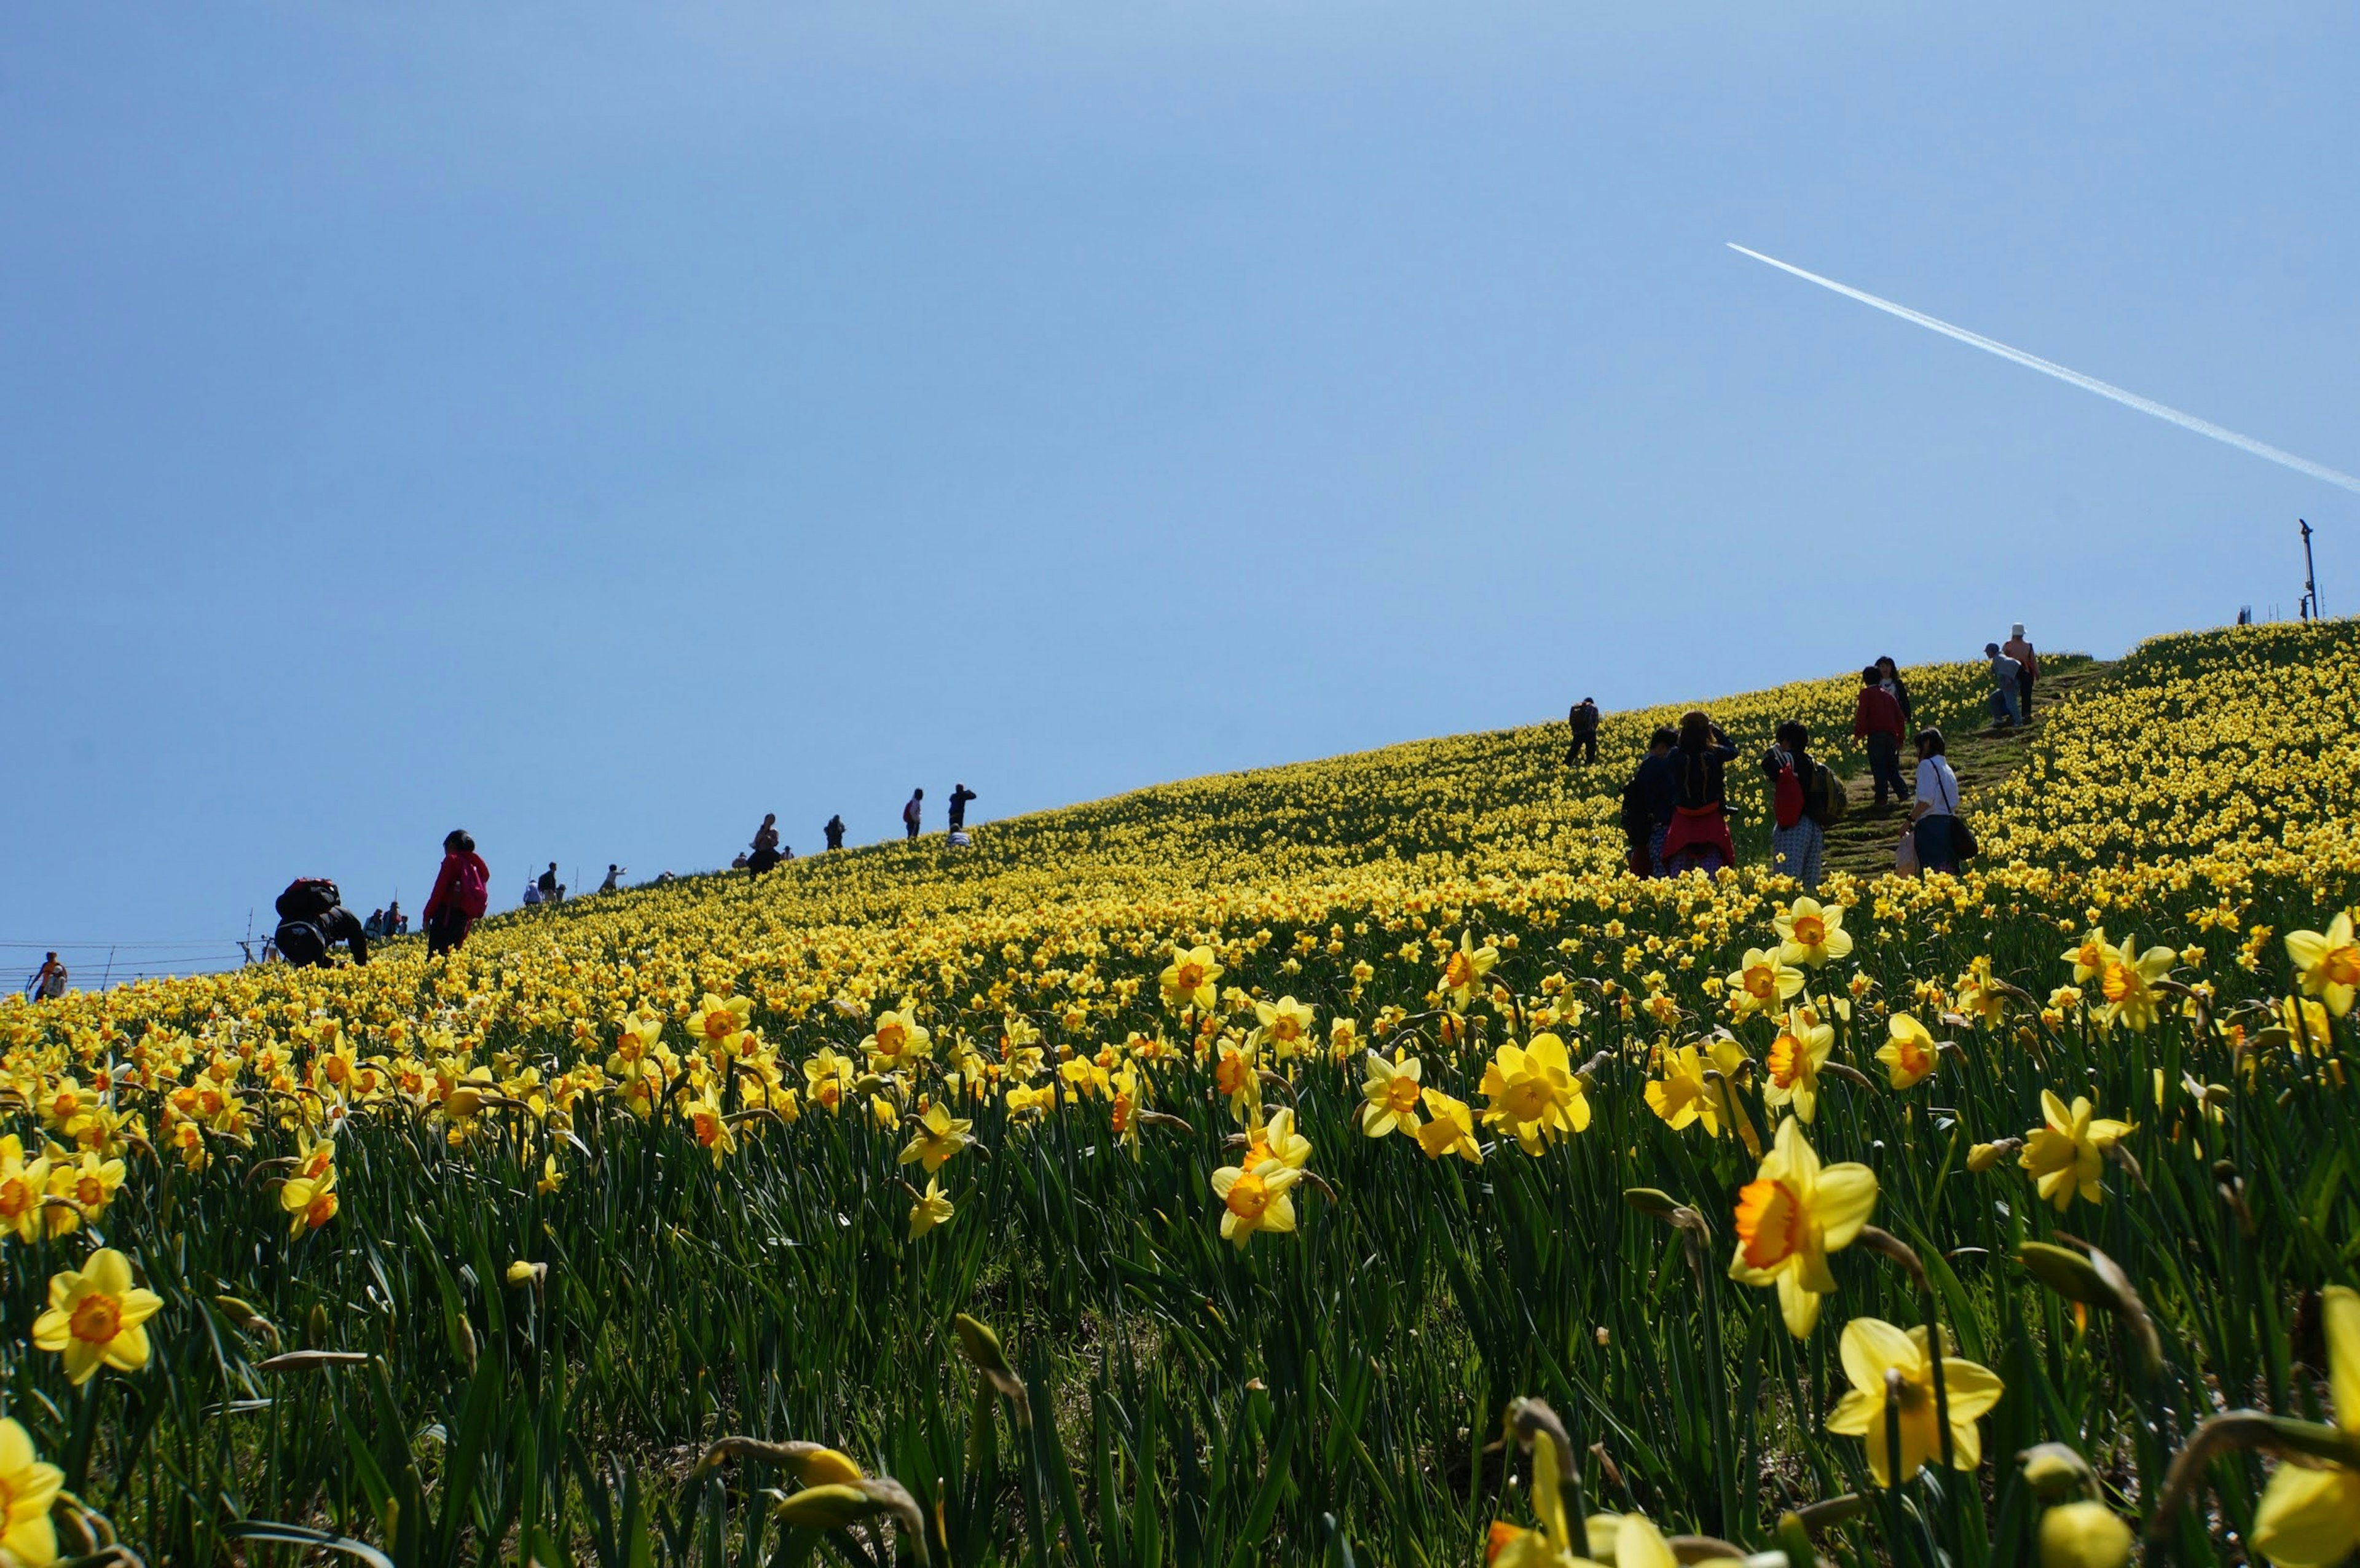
(1448, 1128)
(1880, 1360)
(1464, 969)
(1286, 1026)
(1533, 1094)
(1907, 1052)
(95, 1315)
(1682, 1096)
(2128, 985)
(312, 1201)
(932, 1209)
(1255, 1199)
(2066, 1155)
(1187, 982)
(1811, 933)
(1763, 981)
(1795, 1057)
(28, 1487)
(1790, 1216)
(22, 1186)
(2310, 1513)
(938, 1137)
(2089, 955)
(1389, 1095)
(2327, 963)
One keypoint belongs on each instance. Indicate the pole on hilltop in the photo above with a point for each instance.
(2309, 576)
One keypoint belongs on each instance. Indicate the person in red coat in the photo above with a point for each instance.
(461, 888)
(1876, 719)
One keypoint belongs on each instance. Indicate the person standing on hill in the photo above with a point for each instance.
(461, 889)
(2007, 687)
(48, 980)
(2027, 665)
(396, 922)
(834, 832)
(766, 846)
(914, 810)
(552, 891)
(1797, 805)
(1889, 675)
(1876, 719)
(1697, 839)
(1582, 720)
(960, 796)
(1648, 802)
(613, 877)
(1935, 810)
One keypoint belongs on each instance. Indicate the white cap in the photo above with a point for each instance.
(2016, 630)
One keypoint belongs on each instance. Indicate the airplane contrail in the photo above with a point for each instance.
(2087, 383)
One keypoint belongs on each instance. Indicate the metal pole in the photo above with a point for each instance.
(2309, 576)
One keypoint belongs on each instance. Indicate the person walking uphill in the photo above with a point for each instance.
(1935, 811)
(1648, 804)
(462, 888)
(1876, 719)
(960, 796)
(312, 920)
(913, 812)
(834, 832)
(2028, 664)
(1582, 720)
(1804, 798)
(1698, 837)
(2007, 686)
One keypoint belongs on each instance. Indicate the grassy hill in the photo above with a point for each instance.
(489, 1259)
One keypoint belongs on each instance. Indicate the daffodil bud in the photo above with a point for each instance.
(2065, 1271)
(831, 1507)
(2084, 1535)
(523, 1273)
(1983, 1156)
(2055, 1471)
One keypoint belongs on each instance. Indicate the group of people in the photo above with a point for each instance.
(914, 814)
(767, 851)
(2014, 668)
(388, 921)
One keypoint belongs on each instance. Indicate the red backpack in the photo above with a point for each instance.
(471, 889)
(1787, 797)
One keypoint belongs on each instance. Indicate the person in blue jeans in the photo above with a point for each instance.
(1935, 809)
(2007, 686)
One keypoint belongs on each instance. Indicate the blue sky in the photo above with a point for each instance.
(597, 425)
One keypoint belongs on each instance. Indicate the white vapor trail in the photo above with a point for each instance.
(2087, 383)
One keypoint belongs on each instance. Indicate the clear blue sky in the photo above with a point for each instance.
(596, 425)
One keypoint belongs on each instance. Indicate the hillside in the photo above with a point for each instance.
(727, 1159)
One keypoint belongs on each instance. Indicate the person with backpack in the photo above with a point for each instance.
(1876, 719)
(461, 889)
(374, 927)
(960, 796)
(2027, 665)
(913, 810)
(834, 832)
(313, 919)
(396, 922)
(49, 982)
(1804, 798)
(1697, 839)
(1582, 720)
(2008, 688)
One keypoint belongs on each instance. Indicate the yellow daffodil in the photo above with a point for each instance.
(1980, 997)
(2066, 1155)
(28, 1487)
(1908, 1052)
(311, 1201)
(1388, 1095)
(2089, 955)
(1276, 1139)
(1255, 1199)
(2327, 963)
(1286, 1026)
(717, 1022)
(1762, 983)
(22, 1187)
(898, 1040)
(2128, 985)
(2304, 1020)
(1811, 933)
(2310, 1513)
(95, 1315)
(938, 1137)
(884, 1113)
(552, 1177)
(932, 1208)
(1237, 1075)
(1877, 1355)
(1448, 1128)
(1187, 981)
(1795, 1057)
(2089, 1535)
(1790, 1216)
(1683, 1095)
(711, 1129)
(1465, 967)
(1534, 1095)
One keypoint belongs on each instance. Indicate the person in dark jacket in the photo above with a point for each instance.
(1699, 837)
(960, 796)
(1583, 722)
(834, 832)
(913, 812)
(766, 846)
(313, 919)
(1889, 675)
(463, 887)
(1648, 802)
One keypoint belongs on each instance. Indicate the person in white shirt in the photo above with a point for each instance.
(1935, 809)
